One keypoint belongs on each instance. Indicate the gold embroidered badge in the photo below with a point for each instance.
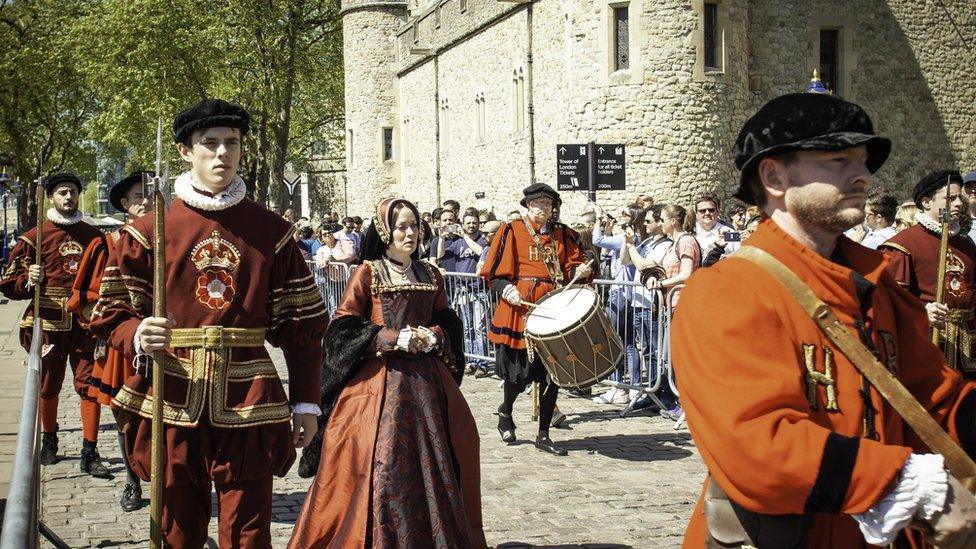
(216, 259)
(70, 256)
(814, 377)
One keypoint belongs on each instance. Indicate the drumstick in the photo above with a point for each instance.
(575, 278)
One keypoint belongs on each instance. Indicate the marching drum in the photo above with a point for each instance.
(572, 336)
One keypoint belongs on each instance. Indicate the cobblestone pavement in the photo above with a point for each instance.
(627, 482)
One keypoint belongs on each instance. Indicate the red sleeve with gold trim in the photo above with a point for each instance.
(14, 282)
(900, 266)
(298, 321)
(125, 292)
(747, 407)
(84, 290)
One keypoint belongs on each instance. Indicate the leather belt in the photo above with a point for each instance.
(216, 337)
(536, 278)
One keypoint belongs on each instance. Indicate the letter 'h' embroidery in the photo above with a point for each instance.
(814, 377)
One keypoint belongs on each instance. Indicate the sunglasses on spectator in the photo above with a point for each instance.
(706, 210)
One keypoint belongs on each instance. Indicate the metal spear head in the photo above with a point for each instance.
(946, 215)
(160, 181)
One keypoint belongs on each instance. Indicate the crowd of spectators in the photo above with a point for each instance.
(644, 253)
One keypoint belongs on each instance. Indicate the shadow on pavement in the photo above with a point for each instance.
(653, 447)
(522, 545)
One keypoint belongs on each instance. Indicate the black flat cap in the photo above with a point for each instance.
(209, 113)
(59, 178)
(537, 190)
(932, 182)
(120, 189)
(804, 122)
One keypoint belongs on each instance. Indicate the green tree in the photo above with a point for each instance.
(43, 102)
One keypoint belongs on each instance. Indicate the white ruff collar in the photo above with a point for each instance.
(935, 226)
(186, 189)
(59, 219)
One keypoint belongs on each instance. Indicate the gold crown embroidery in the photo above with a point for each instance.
(215, 252)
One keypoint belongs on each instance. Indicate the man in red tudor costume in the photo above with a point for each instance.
(914, 262)
(235, 279)
(65, 237)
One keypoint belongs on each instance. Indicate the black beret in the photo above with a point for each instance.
(804, 122)
(932, 182)
(209, 113)
(537, 190)
(63, 177)
(120, 189)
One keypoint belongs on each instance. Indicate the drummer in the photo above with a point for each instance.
(529, 257)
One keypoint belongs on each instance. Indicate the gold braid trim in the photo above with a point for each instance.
(895, 246)
(284, 240)
(957, 342)
(140, 238)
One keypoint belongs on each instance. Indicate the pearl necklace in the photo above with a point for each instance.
(396, 267)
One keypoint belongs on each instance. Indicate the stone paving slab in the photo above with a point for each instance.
(628, 482)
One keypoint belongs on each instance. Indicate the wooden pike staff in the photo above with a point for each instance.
(38, 259)
(946, 218)
(158, 463)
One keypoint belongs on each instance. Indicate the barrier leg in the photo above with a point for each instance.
(535, 402)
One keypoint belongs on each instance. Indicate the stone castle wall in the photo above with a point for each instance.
(904, 63)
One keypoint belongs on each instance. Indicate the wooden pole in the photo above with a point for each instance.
(943, 257)
(158, 463)
(38, 258)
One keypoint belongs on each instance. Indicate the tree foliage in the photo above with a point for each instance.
(84, 78)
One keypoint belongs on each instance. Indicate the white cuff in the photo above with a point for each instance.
(431, 338)
(307, 408)
(136, 345)
(920, 492)
(403, 340)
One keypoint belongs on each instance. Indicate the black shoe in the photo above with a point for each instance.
(506, 428)
(91, 462)
(49, 448)
(581, 392)
(646, 404)
(544, 443)
(131, 497)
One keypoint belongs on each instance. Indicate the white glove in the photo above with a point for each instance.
(511, 295)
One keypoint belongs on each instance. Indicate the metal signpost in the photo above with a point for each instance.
(591, 167)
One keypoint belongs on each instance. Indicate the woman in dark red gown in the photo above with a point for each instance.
(399, 463)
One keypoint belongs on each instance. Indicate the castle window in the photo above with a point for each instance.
(479, 107)
(349, 148)
(712, 37)
(445, 123)
(518, 100)
(405, 140)
(387, 144)
(830, 58)
(621, 37)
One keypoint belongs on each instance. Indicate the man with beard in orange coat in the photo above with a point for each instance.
(840, 468)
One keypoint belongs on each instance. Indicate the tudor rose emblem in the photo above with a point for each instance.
(216, 259)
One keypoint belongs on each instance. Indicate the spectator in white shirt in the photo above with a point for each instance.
(707, 224)
(879, 219)
(349, 233)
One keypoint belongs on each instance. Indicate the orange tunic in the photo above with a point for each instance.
(513, 258)
(111, 367)
(774, 446)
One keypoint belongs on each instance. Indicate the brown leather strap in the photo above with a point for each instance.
(549, 258)
(918, 418)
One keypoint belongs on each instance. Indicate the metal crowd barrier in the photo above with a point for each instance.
(642, 318)
(21, 517)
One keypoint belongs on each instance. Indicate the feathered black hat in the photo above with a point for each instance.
(209, 113)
